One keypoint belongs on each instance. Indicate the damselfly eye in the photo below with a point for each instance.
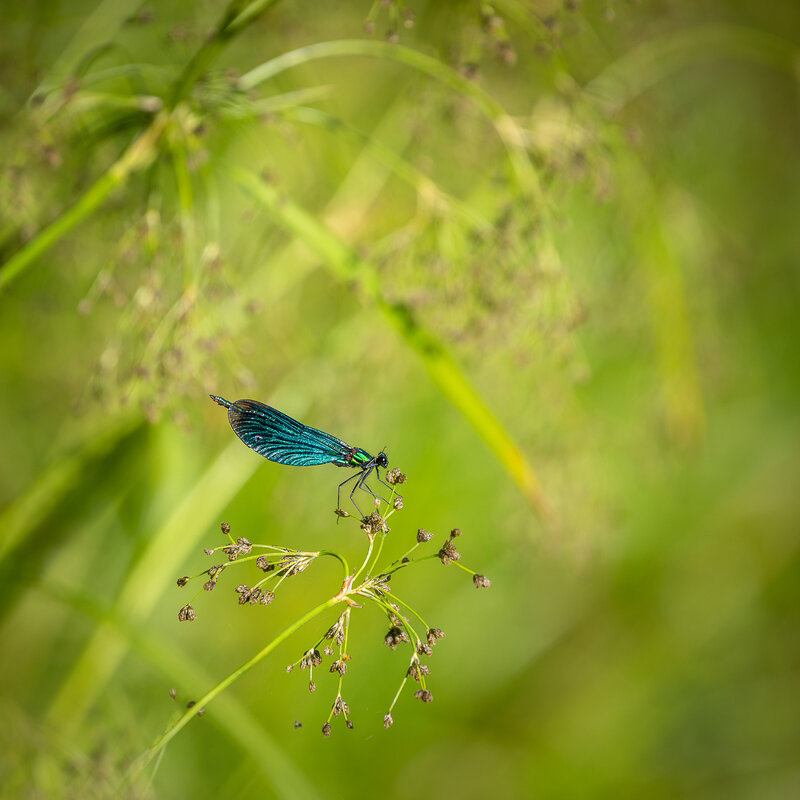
(381, 460)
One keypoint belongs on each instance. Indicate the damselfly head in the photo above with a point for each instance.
(381, 460)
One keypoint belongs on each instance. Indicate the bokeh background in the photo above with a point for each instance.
(545, 252)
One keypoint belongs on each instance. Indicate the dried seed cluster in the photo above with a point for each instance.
(369, 583)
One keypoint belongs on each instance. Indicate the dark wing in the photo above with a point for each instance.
(281, 439)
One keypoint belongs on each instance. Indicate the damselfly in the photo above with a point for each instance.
(284, 440)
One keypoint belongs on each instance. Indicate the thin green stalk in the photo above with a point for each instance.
(162, 741)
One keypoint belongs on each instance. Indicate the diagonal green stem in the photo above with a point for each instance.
(346, 265)
(162, 741)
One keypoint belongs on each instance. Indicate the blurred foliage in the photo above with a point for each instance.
(544, 251)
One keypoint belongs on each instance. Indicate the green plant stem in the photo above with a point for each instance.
(164, 739)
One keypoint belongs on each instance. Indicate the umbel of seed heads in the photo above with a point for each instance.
(280, 563)
(369, 582)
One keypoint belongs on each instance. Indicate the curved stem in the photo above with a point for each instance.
(506, 128)
(342, 560)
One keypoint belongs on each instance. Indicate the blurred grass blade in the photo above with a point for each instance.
(232, 716)
(657, 59)
(99, 27)
(166, 551)
(55, 482)
(346, 265)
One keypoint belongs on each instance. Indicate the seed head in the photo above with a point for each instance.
(423, 536)
(326, 729)
(183, 581)
(225, 528)
(263, 563)
(186, 614)
(394, 477)
(394, 637)
(424, 695)
(388, 721)
(340, 707)
(449, 553)
(481, 581)
(434, 634)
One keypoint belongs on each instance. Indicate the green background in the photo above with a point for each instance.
(544, 253)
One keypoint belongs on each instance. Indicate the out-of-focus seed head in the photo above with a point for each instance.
(208, 551)
(455, 532)
(186, 614)
(312, 687)
(266, 597)
(388, 721)
(424, 695)
(424, 536)
(481, 581)
(397, 503)
(225, 528)
(339, 666)
(209, 585)
(424, 649)
(245, 545)
(350, 724)
(340, 513)
(183, 581)
(326, 729)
